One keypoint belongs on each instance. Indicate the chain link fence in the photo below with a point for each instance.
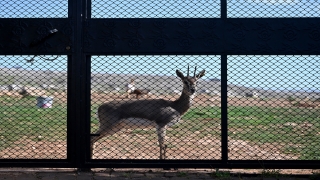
(34, 9)
(155, 9)
(33, 113)
(160, 106)
(273, 107)
(165, 9)
(123, 79)
(205, 9)
(272, 8)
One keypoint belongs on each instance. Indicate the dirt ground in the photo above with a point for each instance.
(135, 146)
(138, 147)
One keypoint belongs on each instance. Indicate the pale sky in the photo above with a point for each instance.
(163, 8)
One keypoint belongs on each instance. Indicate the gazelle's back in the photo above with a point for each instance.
(137, 112)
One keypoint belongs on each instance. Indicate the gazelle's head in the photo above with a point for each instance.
(189, 83)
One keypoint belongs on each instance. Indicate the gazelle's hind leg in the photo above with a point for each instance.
(161, 131)
(108, 126)
(103, 133)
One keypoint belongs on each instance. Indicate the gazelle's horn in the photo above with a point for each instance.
(188, 71)
(195, 70)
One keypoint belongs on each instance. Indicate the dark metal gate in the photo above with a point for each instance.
(76, 52)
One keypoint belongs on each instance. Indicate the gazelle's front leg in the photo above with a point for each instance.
(161, 131)
(92, 141)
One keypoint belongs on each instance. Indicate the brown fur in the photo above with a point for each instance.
(140, 92)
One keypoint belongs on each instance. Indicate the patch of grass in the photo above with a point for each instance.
(143, 131)
(200, 113)
(128, 174)
(291, 150)
(290, 99)
(170, 145)
(315, 176)
(221, 174)
(182, 174)
(21, 119)
(274, 173)
(298, 127)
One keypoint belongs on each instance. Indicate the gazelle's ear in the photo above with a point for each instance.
(200, 74)
(179, 74)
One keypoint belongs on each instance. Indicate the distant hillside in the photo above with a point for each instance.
(157, 84)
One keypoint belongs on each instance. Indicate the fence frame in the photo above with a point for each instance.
(228, 37)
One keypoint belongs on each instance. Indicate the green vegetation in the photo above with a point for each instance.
(291, 99)
(315, 176)
(221, 174)
(294, 131)
(20, 119)
(182, 174)
(271, 173)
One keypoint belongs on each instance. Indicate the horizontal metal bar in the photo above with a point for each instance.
(234, 36)
(57, 163)
(236, 164)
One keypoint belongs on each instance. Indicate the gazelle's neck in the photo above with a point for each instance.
(183, 103)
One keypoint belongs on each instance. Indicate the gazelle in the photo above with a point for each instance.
(116, 115)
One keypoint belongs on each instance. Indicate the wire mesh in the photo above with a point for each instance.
(273, 107)
(33, 103)
(117, 81)
(33, 9)
(273, 101)
(155, 9)
(272, 8)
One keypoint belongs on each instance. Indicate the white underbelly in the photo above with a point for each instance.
(134, 123)
(172, 123)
